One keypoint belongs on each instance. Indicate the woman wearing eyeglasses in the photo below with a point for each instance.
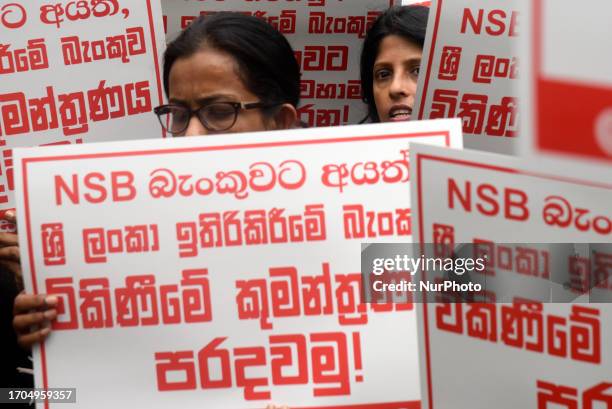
(225, 73)
(229, 73)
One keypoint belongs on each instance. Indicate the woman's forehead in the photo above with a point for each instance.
(204, 73)
(395, 46)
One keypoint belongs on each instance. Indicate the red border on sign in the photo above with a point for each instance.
(431, 54)
(468, 163)
(413, 404)
(28, 227)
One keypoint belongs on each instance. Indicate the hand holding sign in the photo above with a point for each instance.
(33, 314)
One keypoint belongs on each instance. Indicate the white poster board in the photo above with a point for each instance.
(226, 285)
(470, 67)
(77, 72)
(525, 354)
(566, 64)
(327, 37)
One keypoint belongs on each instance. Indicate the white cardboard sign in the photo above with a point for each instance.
(76, 72)
(223, 271)
(469, 66)
(523, 354)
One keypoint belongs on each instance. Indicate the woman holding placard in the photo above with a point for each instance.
(225, 73)
(390, 63)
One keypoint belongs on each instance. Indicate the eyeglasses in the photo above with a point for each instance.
(216, 116)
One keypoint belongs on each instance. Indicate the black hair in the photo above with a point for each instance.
(266, 62)
(409, 22)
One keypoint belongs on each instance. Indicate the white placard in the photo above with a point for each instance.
(77, 72)
(518, 355)
(565, 61)
(470, 68)
(269, 227)
(327, 36)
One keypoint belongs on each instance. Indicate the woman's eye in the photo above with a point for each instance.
(382, 74)
(220, 111)
(415, 71)
(180, 115)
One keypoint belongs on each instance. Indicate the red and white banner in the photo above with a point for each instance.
(73, 72)
(470, 67)
(229, 285)
(327, 37)
(568, 83)
(523, 354)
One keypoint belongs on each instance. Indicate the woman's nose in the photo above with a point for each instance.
(403, 86)
(399, 87)
(195, 127)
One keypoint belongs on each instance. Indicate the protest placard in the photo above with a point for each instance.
(567, 87)
(223, 271)
(470, 68)
(524, 353)
(74, 72)
(327, 37)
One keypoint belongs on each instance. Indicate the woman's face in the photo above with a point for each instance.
(396, 70)
(212, 76)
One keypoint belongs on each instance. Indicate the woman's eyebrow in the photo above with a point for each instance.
(177, 101)
(384, 63)
(204, 100)
(381, 64)
(414, 60)
(215, 97)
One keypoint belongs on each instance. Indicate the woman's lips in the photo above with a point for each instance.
(399, 113)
